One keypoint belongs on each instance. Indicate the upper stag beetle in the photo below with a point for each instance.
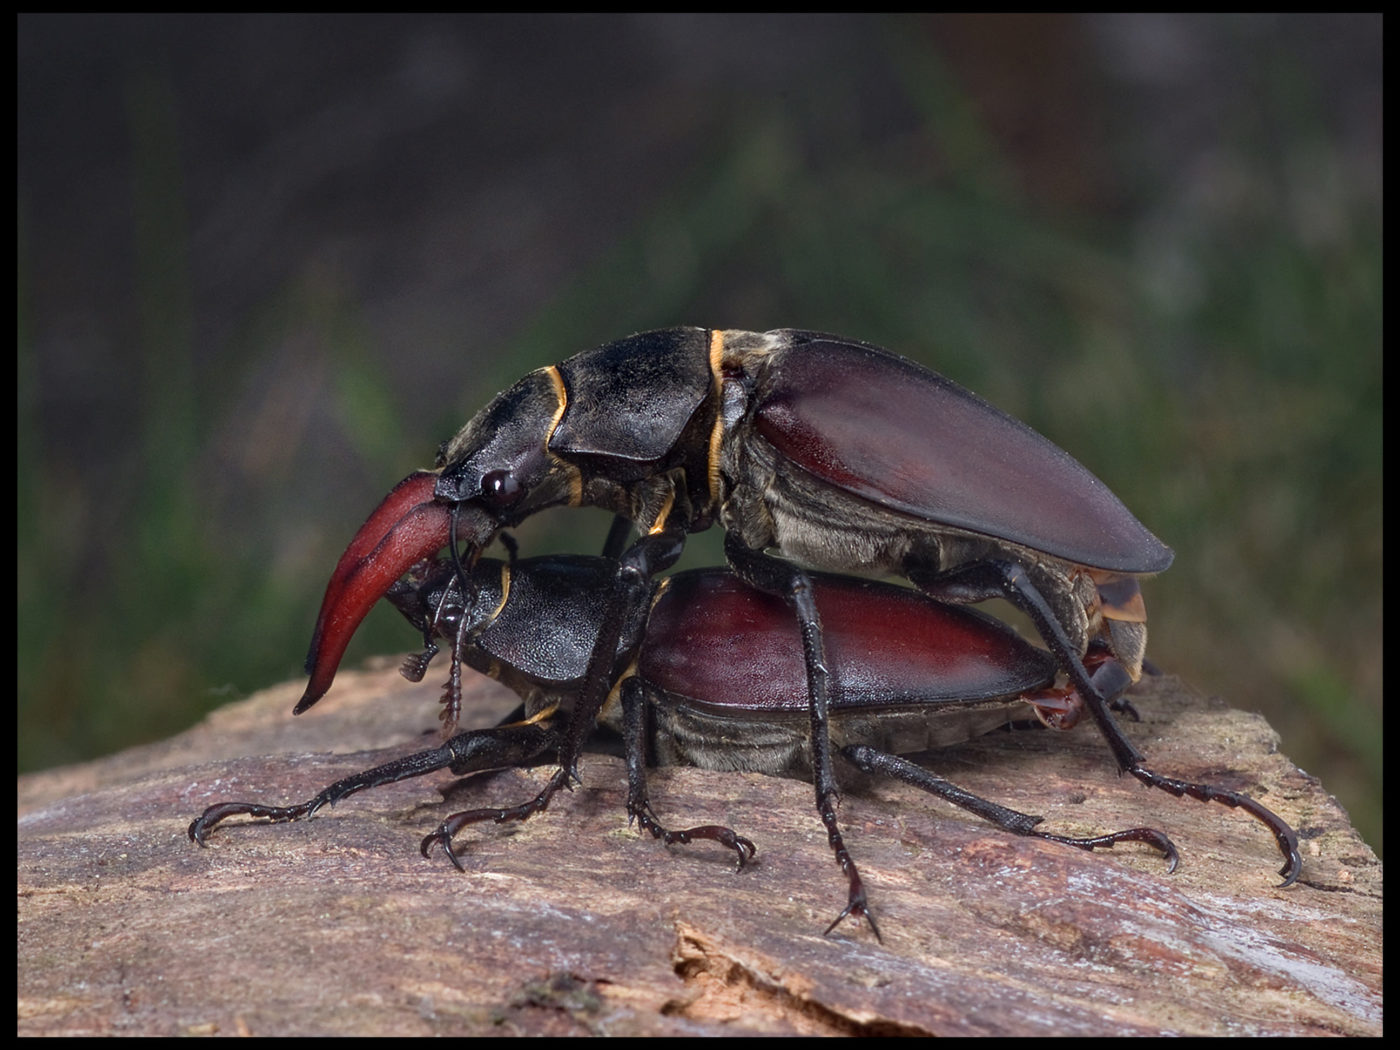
(835, 453)
(710, 675)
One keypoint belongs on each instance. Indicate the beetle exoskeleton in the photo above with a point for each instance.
(829, 451)
(711, 673)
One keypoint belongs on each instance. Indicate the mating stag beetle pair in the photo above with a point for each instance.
(831, 453)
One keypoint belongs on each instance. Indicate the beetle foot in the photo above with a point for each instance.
(448, 829)
(855, 896)
(199, 830)
(1284, 834)
(856, 906)
(1154, 838)
(646, 820)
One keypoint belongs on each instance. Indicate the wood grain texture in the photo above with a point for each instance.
(571, 924)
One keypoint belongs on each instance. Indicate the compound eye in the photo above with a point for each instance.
(501, 489)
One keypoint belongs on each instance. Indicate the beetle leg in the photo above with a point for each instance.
(616, 542)
(1112, 676)
(448, 829)
(781, 578)
(639, 806)
(650, 554)
(869, 760)
(631, 586)
(511, 746)
(1008, 580)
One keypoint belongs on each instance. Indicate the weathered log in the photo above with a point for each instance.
(572, 923)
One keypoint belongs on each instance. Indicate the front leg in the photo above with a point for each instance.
(625, 611)
(518, 745)
(620, 630)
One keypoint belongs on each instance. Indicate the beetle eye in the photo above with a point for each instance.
(500, 488)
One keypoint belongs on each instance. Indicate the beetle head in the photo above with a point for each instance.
(407, 527)
(499, 464)
(430, 598)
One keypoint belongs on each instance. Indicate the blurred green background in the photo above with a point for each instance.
(265, 264)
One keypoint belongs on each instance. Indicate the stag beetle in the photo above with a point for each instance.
(830, 451)
(711, 675)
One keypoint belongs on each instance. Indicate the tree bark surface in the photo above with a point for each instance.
(570, 923)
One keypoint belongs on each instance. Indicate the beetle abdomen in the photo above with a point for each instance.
(723, 645)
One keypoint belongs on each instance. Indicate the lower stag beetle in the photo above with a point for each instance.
(835, 453)
(711, 674)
